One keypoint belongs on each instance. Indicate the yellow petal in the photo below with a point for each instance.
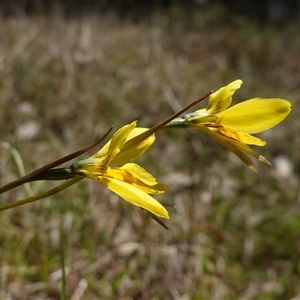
(145, 177)
(221, 99)
(133, 153)
(135, 196)
(255, 115)
(239, 149)
(238, 152)
(241, 136)
(138, 177)
(115, 144)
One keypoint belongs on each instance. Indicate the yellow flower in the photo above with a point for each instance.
(112, 166)
(233, 126)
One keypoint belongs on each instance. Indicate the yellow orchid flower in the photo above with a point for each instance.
(112, 166)
(233, 126)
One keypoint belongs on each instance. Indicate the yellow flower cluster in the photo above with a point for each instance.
(113, 165)
(232, 127)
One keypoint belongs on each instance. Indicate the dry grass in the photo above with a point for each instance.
(63, 83)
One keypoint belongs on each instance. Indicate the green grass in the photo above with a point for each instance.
(233, 235)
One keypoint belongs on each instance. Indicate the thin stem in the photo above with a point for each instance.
(51, 192)
(29, 177)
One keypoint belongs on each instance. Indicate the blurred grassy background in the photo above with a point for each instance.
(64, 82)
